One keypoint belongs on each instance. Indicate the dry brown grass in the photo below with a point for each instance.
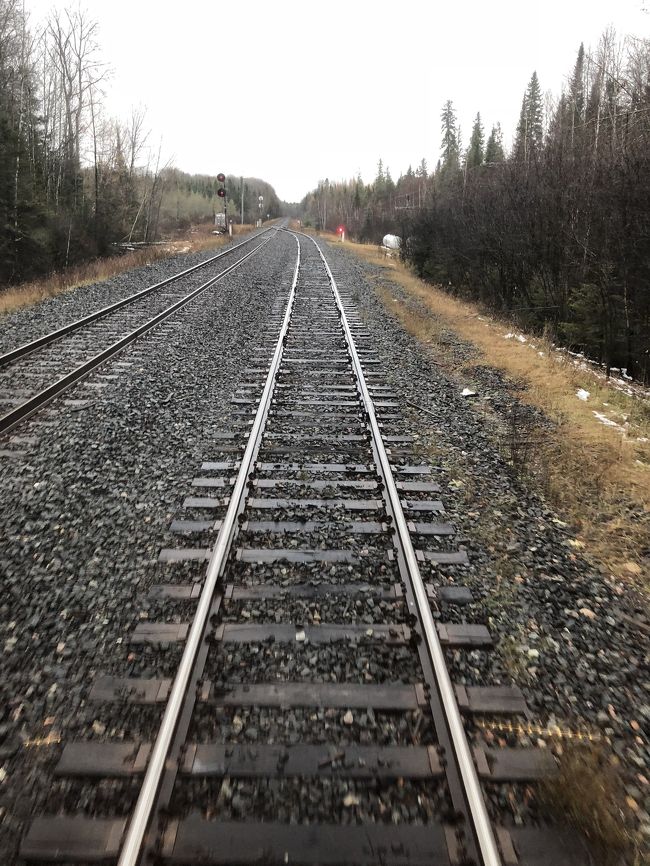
(597, 477)
(587, 794)
(195, 239)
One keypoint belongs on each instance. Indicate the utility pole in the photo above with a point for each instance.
(241, 183)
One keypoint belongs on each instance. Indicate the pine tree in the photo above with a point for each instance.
(449, 144)
(390, 183)
(494, 147)
(422, 170)
(356, 201)
(577, 88)
(474, 155)
(529, 129)
(380, 181)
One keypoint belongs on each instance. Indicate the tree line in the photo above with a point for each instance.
(368, 211)
(192, 198)
(73, 180)
(555, 232)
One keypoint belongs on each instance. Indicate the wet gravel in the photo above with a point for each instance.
(308, 725)
(366, 661)
(314, 801)
(253, 574)
(327, 608)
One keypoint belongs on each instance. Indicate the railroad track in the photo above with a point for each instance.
(310, 679)
(33, 374)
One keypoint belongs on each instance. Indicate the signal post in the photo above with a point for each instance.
(221, 192)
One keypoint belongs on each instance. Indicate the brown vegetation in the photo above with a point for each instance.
(588, 794)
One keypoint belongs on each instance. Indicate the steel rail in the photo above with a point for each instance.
(144, 808)
(33, 404)
(476, 802)
(46, 339)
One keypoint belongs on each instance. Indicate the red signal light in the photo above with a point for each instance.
(340, 229)
(221, 177)
(221, 193)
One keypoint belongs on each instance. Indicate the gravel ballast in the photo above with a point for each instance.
(88, 507)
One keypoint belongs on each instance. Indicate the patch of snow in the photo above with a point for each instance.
(581, 394)
(620, 380)
(467, 392)
(606, 421)
(623, 383)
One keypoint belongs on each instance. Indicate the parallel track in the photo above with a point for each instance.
(319, 451)
(46, 367)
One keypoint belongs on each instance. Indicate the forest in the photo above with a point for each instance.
(75, 182)
(554, 232)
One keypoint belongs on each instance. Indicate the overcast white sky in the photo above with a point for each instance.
(294, 92)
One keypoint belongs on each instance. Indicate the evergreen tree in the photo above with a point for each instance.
(577, 88)
(528, 139)
(422, 170)
(494, 147)
(356, 201)
(450, 137)
(474, 155)
(380, 181)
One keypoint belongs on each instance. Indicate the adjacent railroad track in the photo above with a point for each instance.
(310, 717)
(33, 374)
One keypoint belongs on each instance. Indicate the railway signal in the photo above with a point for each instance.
(341, 232)
(221, 192)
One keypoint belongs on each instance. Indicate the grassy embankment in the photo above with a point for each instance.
(597, 477)
(194, 240)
